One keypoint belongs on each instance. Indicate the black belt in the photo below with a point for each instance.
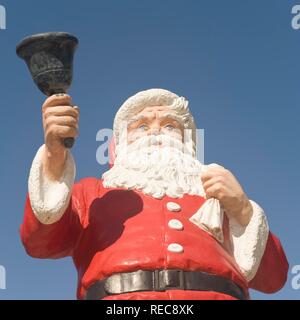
(162, 280)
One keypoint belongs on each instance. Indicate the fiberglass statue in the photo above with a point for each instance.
(159, 224)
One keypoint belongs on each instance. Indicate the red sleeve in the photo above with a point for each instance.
(56, 240)
(272, 272)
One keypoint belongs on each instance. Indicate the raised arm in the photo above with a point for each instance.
(51, 223)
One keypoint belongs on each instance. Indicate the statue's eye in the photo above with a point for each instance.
(143, 127)
(169, 127)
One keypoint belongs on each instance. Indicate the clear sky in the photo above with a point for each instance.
(238, 63)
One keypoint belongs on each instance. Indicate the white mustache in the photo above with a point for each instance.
(156, 170)
(152, 141)
(145, 153)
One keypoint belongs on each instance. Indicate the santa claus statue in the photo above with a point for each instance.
(159, 224)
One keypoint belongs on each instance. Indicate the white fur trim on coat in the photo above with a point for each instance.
(249, 242)
(49, 199)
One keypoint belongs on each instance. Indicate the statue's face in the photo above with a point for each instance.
(155, 120)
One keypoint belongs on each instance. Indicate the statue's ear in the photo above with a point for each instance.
(111, 152)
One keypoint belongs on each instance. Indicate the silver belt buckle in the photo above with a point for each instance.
(169, 279)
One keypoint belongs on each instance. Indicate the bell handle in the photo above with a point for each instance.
(68, 143)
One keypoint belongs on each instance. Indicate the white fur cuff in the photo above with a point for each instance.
(249, 242)
(50, 199)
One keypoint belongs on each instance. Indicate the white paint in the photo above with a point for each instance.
(175, 224)
(249, 242)
(167, 171)
(157, 171)
(209, 217)
(175, 248)
(49, 199)
(173, 206)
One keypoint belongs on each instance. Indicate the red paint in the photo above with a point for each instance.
(117, 230)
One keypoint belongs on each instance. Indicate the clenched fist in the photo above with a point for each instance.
(60, 120)
(221, 184)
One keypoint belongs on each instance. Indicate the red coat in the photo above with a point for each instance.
(108, 231)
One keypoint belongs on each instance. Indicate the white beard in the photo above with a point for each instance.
(168, 169)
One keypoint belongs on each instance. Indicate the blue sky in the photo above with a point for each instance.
(238, 64)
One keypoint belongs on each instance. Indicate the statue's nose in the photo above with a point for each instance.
(155, 131)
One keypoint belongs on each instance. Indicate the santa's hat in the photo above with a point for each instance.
(154, 97)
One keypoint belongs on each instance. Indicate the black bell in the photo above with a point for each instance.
(49, 57)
